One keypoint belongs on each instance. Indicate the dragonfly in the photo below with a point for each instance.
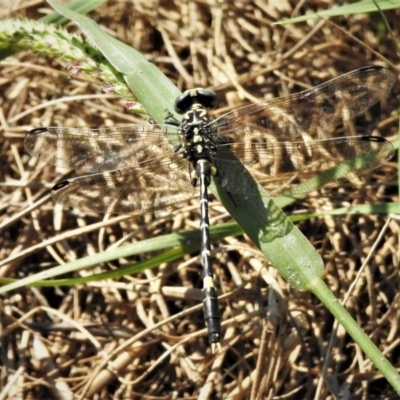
(282, 142)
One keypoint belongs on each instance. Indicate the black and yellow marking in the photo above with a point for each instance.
(199, 147)
(212, 315)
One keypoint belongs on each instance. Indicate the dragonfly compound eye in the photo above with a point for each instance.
(206, 97)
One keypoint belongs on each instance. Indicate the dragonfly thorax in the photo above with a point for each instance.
(198, 139)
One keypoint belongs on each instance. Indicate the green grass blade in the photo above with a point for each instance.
(79, 6)
(183, 243)
(353, 329)
(365, 6)
(270, 229)
(361, 209)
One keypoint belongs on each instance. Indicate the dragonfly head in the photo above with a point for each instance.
(205, 97)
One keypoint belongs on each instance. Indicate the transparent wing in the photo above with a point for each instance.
(286, 141)
(311, 114)
(281, 167)
(105, 149)
(127, 191)
(132, 169)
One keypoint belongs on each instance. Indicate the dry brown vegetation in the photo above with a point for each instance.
(56, 340)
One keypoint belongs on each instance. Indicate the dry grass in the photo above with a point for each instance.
(55, 341)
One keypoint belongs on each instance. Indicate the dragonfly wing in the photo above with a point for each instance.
(101, 150)
(126, 191)
(286, 141)
(283, 167)
(311, 114)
